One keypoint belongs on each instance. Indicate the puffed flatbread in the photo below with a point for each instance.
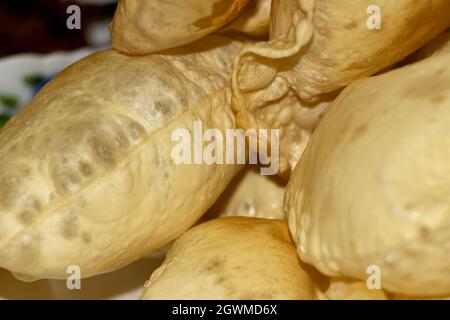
(232, 258)
(87, 176)
(316, 48)
(146, 26)
(370, 194)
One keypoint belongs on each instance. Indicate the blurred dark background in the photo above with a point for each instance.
(40, 25)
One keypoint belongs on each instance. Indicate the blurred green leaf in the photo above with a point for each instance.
(9, 101)
(3, 120)
(33, 79)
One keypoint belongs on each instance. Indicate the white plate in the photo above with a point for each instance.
(15, 69)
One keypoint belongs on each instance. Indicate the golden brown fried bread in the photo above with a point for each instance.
(86, 172)
(232, 258)
(316, 48)
(372, 187)
(146, 26)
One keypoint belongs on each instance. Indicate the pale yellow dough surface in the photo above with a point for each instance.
(146, 26)
(86, 175)
(251, 195)
(347, 289)
(254, 20)
(316, 48)
(232, 258)
(372, 187)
